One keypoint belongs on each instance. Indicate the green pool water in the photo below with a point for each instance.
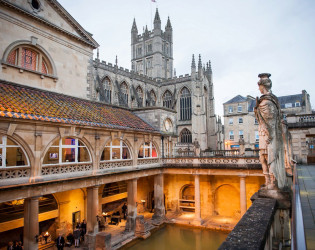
(171, 237)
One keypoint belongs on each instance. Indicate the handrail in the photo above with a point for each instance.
(297, 231)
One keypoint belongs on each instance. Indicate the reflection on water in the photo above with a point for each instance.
(177, 237)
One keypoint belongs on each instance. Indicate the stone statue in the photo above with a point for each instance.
(271, 150)
(241, 142)
(197, 147)
(288, 156)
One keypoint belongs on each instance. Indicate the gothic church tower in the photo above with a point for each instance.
(152, 52)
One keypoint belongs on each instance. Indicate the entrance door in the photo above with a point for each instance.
(311, 149)
(76, 218)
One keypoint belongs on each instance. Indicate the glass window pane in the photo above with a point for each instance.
(115, 153)
(106, 155)
(154, 153)
(68, 141)
(116, 142)
(140, 154)
(81, 144)
(10, 142)
(125, 153)
(147, 144)
(52, 156)
(15, 157)
(68, 155)
(83, 154)
(107, 144)
(147, 152)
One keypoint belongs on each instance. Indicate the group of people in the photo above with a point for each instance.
(15, 245)
(72, 238)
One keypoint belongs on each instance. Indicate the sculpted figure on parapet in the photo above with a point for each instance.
(271, 149)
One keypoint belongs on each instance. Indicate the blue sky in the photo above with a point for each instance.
(241, 38)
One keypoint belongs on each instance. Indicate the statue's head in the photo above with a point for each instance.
(264, 82)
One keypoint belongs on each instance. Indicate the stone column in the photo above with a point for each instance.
(92, 209)
(159, 209)
(197, 200)
(132, 204)
(31, 226)
(243, 202)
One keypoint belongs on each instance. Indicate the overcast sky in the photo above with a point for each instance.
(242, 38)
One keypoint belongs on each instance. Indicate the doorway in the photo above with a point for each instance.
(76, 219)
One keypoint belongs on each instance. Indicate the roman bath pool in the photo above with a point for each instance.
(180, 237)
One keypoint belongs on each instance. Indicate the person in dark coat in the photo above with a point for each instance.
(60, 242)
(76, 235)
(124, 210)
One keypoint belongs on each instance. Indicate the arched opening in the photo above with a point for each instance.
(140, 96)
(187, 198)
(106, 94)
(147, 150)
(125, 92)
(115, 150)
(185, 136)
(185, 105)
(151, 99)
(167, 99)
(227, 201)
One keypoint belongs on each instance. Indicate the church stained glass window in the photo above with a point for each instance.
(185, 105)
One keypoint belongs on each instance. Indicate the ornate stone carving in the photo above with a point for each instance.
(115, 164)
(271, 153)
(65, 169)
(14, 173)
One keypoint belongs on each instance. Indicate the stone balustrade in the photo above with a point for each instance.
(14, 172)
(65, 169)
(115, 164)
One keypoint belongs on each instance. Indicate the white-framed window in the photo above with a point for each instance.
(147, 150)
(230, 109)
(256, 136)
(288, 105)
(239, 108)
(240, 120)
(297, 104)
(256, 121)
(231, 121)
(12, 154)
(241, 134)
(115, 150)
(67, 150)
(231, 135)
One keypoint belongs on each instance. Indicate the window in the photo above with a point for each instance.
(230, 109)
(107, 90)
(30, 58)
(153, 97)
(185, 136)
(167, 99)
(149, 47)
(297, 104)
(231, 121)
(124, 90)
(231, 135)
(67, 150)
(140, 95)
(11, 154)
(240, 120)
(241, 134)
(256, 121)
(288, 105)
(147, 150)
(139, 51)
(239, 108)
(185, 105)
(256, 136)
(115, 150)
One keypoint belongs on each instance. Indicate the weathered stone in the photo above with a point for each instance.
(103, 241)
(142, 228)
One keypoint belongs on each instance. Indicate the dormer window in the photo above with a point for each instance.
(297, 104)
(239, 108)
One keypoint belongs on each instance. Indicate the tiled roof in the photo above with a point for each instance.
(291, 99)
(237, 98)
(22, 102)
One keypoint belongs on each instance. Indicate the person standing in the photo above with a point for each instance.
(76, 235)
(60, 242)
(124, 210)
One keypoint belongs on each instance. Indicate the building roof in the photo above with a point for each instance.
(291, 99)
(23, 102)
(236, 99)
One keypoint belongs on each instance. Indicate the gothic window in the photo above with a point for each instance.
(167, 99)
(66, 150)
(11, 154)
(139, 51)
(185, 105)
(185, 136)
(107, 89)
(115, 150)
(29, 58)
(149, 48)
(153, 97)
(124, 90)
(140, 95)
(147, 150)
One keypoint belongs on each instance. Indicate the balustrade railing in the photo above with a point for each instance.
(115, 164)
(14, 172)
(65, 169)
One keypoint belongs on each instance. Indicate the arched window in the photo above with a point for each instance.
(115, 150)
(107, 85)
(153, 97)
(30, 58)
(185, 136)
(11, 154)
(140, 95)
(66, 150)
(147, 150)
(167, 99)
(124, 90)
(185, 105)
